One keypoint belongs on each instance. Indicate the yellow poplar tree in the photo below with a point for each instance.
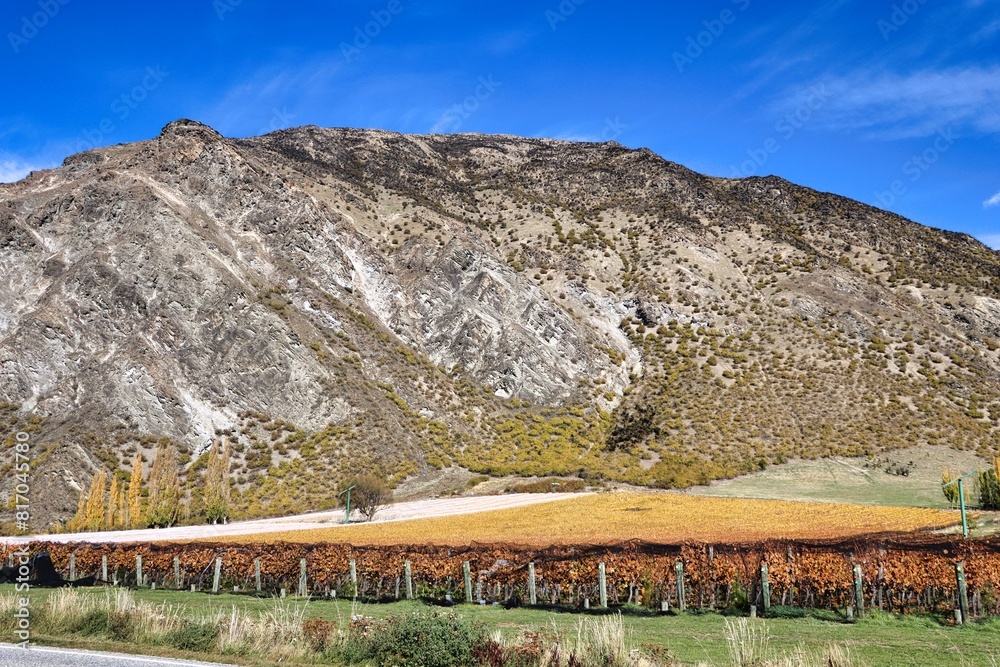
(79, 520)
(134, 516)
(164, 487)
(113, 517)
(122, 503)
(217, 486)
(94, 509)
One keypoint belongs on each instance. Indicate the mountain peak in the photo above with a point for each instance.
(188, 127)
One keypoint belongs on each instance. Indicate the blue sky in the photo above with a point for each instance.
(893, 103)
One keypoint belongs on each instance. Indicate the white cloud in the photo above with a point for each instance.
(894, 106)
(992, 240)
(993, 201)
(12, 170)
(447, 122)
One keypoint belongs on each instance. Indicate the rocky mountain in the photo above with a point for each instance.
(339, 300)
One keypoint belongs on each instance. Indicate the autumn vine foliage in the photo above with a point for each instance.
(900, 574)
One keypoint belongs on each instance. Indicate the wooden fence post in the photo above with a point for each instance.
(303, 581)
(859, 590)
(138, 570)
(765, 587)
(256, 573)
(711, 576)
(217, 577)
(177, 573)
(791, 578)
(602, 584)
(681, 597)
(353, 569)
(104, 568)
(963, 593)
(467, 579)
(881, 584)
(72, 567)
(532, 598)
(408, 575)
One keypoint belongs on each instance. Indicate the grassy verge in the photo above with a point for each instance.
(257, 631)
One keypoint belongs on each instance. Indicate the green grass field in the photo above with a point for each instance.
(692, 638)
(855, 480)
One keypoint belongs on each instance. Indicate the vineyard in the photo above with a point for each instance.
(607, 518)
(901, 574)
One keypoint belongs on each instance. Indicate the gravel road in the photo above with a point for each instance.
(398, 512)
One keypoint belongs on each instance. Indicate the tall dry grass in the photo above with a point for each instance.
(749, 644)
(276, 633)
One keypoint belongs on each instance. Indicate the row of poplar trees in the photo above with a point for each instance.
(987, 482)
(156, 501)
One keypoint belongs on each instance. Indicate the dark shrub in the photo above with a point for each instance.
(193, 636)
(94, 623)
(319, 634)
(415, 640)
(120, 626)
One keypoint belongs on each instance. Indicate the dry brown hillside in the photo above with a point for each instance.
(340, 300)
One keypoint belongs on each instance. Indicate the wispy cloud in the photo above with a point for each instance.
(508, 42)
(251, 105)
(987, 31)
(790, 45)
(13, 169)
(894, 106)
(992, 201)
(992, 240)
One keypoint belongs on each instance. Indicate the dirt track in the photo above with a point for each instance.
(399, 512)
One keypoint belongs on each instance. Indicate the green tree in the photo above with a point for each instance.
(164, 487)
(217, 484)
(370, 494)
(989, 487)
